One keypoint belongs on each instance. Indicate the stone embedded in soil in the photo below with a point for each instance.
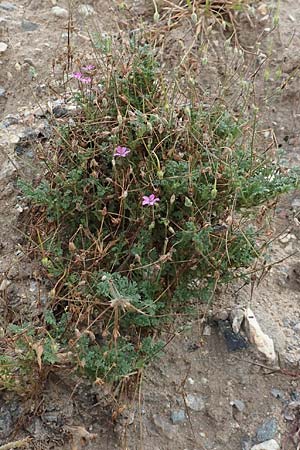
(257, 337)
(2, 91)
(296, 203)
(277, 393)
(266, 431)
(60, 12)
(3, 47)
(58, 111)
(297, 328)
(29, 26)
(178, 416)
(238, 404)
(164, 427)
(5, 423)
(195, 403)
(233, 341)
(236, 317)
(86, 10)
(7, 6)
(4, 285)
(267, 445)
(246, 443)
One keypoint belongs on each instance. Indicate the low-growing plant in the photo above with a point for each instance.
(144, 208)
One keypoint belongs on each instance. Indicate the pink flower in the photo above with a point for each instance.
(77, 75)
(88, 67)
(85, 80)
(121, 151)
(151, 200)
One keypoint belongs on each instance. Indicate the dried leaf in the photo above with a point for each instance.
(39, 350)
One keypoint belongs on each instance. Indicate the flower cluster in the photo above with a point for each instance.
(80, 76)
(147, 200)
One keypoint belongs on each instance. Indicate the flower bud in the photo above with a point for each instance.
(172, 199)
(160, 174)
(156, 17)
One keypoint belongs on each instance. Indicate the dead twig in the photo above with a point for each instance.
(16, 444)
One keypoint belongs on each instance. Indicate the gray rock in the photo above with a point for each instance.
(29, 26)
(277, 393)
(60, 12)
(195, 403)
(246, 443)
(236, 317)
(163, 427)
(238, 404)
(3, 47)
(86, 10)
(266, 431)
(297, 328)
(7, 6)
(178, 416)
(267, 445)
(6, 423)
(10, 120)
(2, 91)
(59, 111)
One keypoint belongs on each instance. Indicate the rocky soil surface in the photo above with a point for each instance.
(204, 393)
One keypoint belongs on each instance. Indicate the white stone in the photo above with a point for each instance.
(60, 12)
(297, 328)
(4, 285)
(86, 10)
(267, 445)
(196, 403)
(257, 337)
(237, 316)
(3, 47)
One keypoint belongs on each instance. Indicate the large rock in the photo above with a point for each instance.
(257, 337)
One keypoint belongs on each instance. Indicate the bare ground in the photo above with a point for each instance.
(193, 364)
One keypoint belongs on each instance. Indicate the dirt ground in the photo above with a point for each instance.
(198, 376)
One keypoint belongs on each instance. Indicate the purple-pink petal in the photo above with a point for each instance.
(151, 200)
(121, 151)
(86, 80)
(77, 75)
(88, 67)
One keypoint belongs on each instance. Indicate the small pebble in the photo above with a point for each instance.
(86, 10)
(178, 416)
(238, 404)
(7, 6)
(60, 12)
(297, 328)
(267, 445)
(2, 91)
(266, 431)
(29, 26)
(207, 330)
(296, 203)
(246, 443)
(3, 47)
(277, 393)
(4, 285)
(195, 403)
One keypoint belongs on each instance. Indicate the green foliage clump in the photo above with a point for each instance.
(119, 268)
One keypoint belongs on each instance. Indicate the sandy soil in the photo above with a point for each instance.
(195, 365)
